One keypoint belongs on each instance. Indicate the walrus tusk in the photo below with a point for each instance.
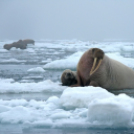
(93, 66)
(92, 70)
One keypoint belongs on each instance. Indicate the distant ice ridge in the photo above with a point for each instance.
(69, 62)
(12, 60)
(78, 45)
(87, 107)
(9, 86)
(127, 50)
(72, 61)
(36, 70)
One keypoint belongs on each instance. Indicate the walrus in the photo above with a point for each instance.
(96, 69)
(68, 77)
(19, 44)
(29, 41)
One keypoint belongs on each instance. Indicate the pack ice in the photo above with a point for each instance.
(77, 107)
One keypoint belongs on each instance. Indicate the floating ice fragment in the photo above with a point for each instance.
(4, 108)
(36, 70)
(80, 97)
(53, 99)
(112, 111)
(60, 115)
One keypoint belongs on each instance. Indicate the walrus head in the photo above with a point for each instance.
(7, 46)
(68, 77)
(97, 55)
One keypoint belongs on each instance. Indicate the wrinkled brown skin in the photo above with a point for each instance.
(68, 77)
(29, 41)
(111, 74)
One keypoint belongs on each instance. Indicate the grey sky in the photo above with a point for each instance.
(67, 19)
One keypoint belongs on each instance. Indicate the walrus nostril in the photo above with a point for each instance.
(68, 74)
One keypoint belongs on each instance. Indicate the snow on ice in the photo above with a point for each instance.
(98, 108)
(8, 86)
(69, 62)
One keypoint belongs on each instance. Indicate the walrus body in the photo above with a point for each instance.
(113, 75)
(22, 44)
(29, 41)
(97, 69)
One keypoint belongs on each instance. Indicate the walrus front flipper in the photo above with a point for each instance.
(94, 84)
(98, 55)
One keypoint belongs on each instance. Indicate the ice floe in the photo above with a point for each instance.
(77, 107)
(69, 62)
(7, 86)
(99, 109)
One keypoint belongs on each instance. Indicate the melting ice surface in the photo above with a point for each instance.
(31, 94)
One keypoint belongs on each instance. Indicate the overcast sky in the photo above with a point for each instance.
(67, 19)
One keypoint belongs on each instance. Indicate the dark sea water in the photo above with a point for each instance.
(18, 129)
(11, 130)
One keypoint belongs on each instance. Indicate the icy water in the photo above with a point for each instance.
(18, 93)
(19, 130)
